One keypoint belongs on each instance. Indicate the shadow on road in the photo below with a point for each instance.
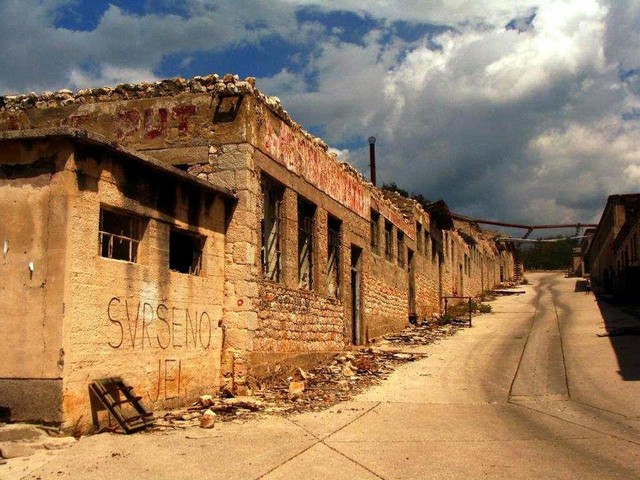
(622, 327)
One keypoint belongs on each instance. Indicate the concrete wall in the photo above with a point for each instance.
(33, 228)
(79, 316)
(158, 329)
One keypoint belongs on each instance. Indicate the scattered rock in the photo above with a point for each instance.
(346, 375)
(245, 402)
(296, 389)
(403, 356)
(15, 450)
(208, 419)
(347, 371)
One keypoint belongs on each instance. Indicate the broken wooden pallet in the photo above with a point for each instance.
(113, 393)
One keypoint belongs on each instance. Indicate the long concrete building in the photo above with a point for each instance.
(188, 236)
(612, 255)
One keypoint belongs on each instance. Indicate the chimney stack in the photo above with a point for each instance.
(372, 159)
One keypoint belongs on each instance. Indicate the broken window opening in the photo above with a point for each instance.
(120, 234)
(227, 108)
(333, 257)
(419, 237)
(306, 212)
(401, 249)
(388, 238)
(271, 227)
(374, 224)
(185, 251)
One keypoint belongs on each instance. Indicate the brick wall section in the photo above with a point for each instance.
(297, 321)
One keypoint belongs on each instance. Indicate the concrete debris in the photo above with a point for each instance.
(208, 419)
(15, 450)
(245, 402)
(205, 400)
(296, 389)
(22, 440)
(300, 390)
(347, 371)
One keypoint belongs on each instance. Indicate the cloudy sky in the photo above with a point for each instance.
(518, 110)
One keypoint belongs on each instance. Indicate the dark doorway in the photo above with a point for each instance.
(356, 322)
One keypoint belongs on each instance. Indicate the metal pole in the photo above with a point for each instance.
(372, 159)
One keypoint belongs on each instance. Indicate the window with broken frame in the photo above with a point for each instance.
(185, 251)
(401, 261)
(120, 234)
(333, 257)
(374, 226)
(388, 239)
(271, 228)
(306, 214)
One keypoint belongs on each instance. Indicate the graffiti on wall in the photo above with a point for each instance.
(308, 160)
(168, 381)
(141, 325)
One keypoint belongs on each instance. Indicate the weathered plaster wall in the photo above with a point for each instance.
(158, 329)
(32, 231)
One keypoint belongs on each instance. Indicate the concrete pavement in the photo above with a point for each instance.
(530, 391)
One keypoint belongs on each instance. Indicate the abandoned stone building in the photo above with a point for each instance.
(613, 259)
(188, 235)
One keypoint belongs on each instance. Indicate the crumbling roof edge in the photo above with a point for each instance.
(92, 138)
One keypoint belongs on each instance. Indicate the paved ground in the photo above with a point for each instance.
(530, 391)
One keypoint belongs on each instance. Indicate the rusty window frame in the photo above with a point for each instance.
(306, 221)
(334, 228)
(272, 195)
(400, 241)
(120, 234)
(388, 239)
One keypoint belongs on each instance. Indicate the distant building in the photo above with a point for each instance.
(188, 236)
(579, 264)
(613, 253)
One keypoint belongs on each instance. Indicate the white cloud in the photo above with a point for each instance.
(524, 126)
(461, 13)
(530, 126)
(110, 75)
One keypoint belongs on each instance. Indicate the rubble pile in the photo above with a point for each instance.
(345, 376)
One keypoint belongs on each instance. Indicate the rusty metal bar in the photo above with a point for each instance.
(520, 225)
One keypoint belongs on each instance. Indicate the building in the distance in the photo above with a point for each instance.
(188, 236)
(613, 258)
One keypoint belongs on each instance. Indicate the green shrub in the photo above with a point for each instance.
(484, 308)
